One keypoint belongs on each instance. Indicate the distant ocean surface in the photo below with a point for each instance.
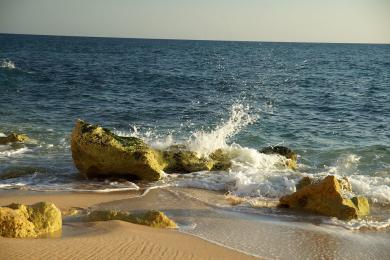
(328, 102)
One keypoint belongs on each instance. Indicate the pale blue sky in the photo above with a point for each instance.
(257, 20)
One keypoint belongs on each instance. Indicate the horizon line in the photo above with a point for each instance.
(182, 39)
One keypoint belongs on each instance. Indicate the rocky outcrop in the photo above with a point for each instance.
(326, 198)
(21, 221)
(99, 153)
(291, 156)
(14, 138)
(150, 218)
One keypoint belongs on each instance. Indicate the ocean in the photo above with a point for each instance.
(328, 102)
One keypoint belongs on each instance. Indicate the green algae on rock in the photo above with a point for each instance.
(150, 218)
(22, 221)
(99, 153)
(13, 138)
(326, 198)
(284, 151)
(181, 160)
(185, 161)
(221, 160)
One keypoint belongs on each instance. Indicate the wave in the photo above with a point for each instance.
(359, 224)
(255, 174)
(204, 142)
(13, 152)
(7, 64)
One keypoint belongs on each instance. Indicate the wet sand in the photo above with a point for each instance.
(105, 240)
(206, 220)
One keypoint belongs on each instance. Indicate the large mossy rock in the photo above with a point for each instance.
(283, 151)
(21, 221)
(99, 153)
(14, 138)
(326, 198)
(150, 218)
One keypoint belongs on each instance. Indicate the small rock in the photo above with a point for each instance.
(326, 198)
(18, 220)
(150, 218)
(284, 151)
(13, 138)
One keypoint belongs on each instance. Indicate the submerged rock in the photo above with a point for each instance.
(13, 138)
(99, 153)
(150, 218)
(326, 198)
(18, 220)
(284, 151)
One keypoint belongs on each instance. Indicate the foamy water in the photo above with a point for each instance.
(7, 64)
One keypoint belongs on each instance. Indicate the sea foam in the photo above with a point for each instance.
(7, 64)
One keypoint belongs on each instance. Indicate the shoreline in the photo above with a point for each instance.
(208, 228)
(106, 239)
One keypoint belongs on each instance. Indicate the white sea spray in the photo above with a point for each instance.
(8, 64)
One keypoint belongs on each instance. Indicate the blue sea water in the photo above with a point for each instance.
(328, 102)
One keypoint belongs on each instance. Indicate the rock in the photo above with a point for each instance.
(304, 182)
(181, 160)
(99, 153)
(14, 223)
(344, 183)
(156, 219)
(12, 138)
(150, 218)
(326, 198)
(284, 151)
(18, 220)
(221, 160)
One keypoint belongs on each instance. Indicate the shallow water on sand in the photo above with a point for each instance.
(262, 232)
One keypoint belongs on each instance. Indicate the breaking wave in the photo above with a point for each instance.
(7, 64)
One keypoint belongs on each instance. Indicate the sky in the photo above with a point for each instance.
(358, 21)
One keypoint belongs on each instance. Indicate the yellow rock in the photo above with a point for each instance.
(99, 153)
(18, 220)
(326, 198)
(12, 138)
(150, 218)
(13, 223)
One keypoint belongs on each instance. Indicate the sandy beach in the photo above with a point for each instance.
(105, 240)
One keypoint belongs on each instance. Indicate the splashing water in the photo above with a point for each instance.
(205, 143)
(8, 64)
(202, 142)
